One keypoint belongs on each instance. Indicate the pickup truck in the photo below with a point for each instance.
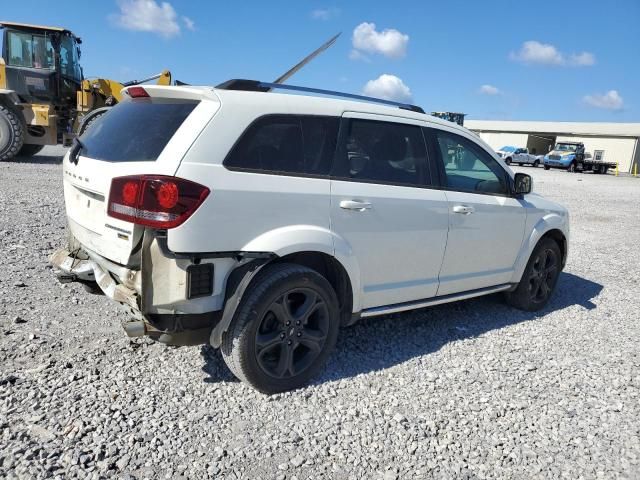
(572, 157)
(519, 155)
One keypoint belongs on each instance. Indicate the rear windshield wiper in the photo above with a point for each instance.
(76, 148)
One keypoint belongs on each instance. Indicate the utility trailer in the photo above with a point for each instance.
(572, 157)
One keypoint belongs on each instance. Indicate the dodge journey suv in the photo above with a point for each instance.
(263, 222)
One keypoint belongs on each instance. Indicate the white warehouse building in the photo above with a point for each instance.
(613, 142)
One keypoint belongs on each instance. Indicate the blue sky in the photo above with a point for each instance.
(544, 60)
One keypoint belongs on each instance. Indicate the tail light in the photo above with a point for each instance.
(154, 200)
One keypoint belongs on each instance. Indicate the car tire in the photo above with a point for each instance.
(284, 329)
(536, 163)
(547, 167)
(508, 161)
(572, 167)
(11, 133)
(539, 278)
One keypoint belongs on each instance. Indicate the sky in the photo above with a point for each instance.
(559, 60)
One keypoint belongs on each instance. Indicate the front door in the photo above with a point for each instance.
(486, 224)
(384, 209)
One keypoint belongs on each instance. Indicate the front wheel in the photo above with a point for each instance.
(547, 167)
(536, 163)
(11, 133)
(539, 278)
(285, 328)
(572, 167)
(508, 161)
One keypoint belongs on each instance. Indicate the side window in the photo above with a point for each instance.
(383, 152)
(286, 144)
(27, 50)
(468, 167)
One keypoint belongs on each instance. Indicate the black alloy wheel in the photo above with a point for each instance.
(292, 333)
(543, 275)
(539, 278)
(284, 328)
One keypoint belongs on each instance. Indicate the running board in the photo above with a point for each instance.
(401, 307)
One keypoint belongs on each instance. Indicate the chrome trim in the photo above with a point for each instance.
(401, 307)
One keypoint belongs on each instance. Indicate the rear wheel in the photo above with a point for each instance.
(284, 329)
(539, 278)
(536, 163)
(29, 150)
(11, 133)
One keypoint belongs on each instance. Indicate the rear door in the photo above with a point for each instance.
(384, 207)
(486, 224)
(138, 136)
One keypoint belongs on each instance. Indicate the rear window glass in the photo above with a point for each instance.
(135, 131)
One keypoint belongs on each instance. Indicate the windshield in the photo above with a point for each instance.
(564, 147)
(28, 50)
(69, 62)
(508, 149)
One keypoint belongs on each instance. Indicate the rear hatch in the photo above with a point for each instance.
(139, 136)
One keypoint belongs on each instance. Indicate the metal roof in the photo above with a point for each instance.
(37, 27)
(610, 129)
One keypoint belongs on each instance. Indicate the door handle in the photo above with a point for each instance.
(463, 209)
(356, 205)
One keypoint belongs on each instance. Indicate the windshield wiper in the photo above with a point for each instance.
(76, 148)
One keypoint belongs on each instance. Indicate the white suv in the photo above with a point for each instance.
(262, 222)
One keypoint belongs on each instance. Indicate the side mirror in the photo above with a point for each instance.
(523, 183)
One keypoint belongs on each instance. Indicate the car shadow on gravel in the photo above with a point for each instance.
(39, 159)
(382, 342)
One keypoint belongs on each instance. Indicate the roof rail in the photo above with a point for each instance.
(258, 86)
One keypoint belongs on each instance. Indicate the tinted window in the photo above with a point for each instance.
(383, 152)
(468, 167)
(286, 144)
(27, 50)
(135, 131)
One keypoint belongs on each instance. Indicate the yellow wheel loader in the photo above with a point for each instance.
(44, 98)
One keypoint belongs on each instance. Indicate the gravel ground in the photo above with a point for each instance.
(468, 390)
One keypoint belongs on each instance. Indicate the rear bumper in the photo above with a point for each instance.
(68, 268)
(156, 295)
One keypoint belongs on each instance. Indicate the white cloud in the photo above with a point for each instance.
(489, 90)
(190, 24)
(325, 13)
(540, 53)
(533, 52)
(388, 87)
(390, 42)
(147, 16)
(609, 101)
(584, 59)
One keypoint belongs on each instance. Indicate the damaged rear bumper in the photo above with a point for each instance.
(69, 268)
(155, 294)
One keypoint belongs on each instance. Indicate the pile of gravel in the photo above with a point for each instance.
(469, 390)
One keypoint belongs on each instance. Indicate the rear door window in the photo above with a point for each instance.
(286, 144)
(383, 152)
(135, 131)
